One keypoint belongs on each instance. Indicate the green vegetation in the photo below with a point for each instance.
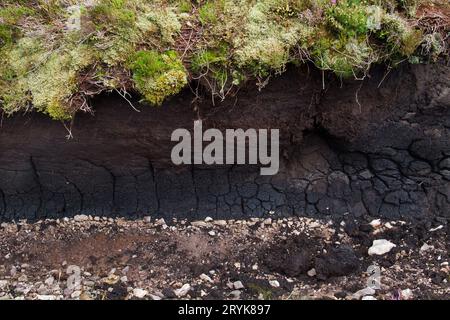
(158, 75)
(55, 55)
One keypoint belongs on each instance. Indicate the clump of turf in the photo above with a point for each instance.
(55, 55)
(158, 75)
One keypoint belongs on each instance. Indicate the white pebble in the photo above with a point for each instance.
(139, 293)
(380, 247)
(274, 283)
(238, 285)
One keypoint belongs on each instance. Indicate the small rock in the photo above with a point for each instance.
(364, 292)
(147, 219)
(268, 221)
(23, 278)
(160, 222)
(75, 294)
(68, 291)
(111, 279)
(86, 296)
(49, 281)
(3, 284)
(236, 294)
(238, 285)
(425, 248)
(375, 223)
(312, 272)
(314, 225)
(437, 228)
(369, 298)
(81, 218)
(183, 290)
(208, 219)
(380, 247)
(274, 283)
(46, 297)
(155, 297)
(220, 223)
(407, 294)
(205, 277)
(139, 293)
(199, 224)
(212, 233)
(89, 283)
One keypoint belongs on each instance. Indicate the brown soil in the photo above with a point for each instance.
(118, 256)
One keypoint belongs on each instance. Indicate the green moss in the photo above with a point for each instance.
(140, 44)
(56, 81)
(208, 13)
(11, 15)
(345, 57)
(158, 75)
(348, 17)
(6, 35)
(165, 23)
(265, 44)
(112, 14)
(401, 39)
(212, 63)
(410, 6)
(185, 6)
(433, 46)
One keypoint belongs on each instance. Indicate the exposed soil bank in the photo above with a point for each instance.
(379, 147)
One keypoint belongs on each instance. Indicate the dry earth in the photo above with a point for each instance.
(291, 258)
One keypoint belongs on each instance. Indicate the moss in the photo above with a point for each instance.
(266, 42)
(9, 16)
(6, 35)
(158, 75)
(345, 57)
(185, 6)
(209, 11)
(348, 17)
(166, 22)
(433, 46)
(401, 39)
(53, 84)
(112, 14)
(140, 45)
(410, 6)
(213, 63)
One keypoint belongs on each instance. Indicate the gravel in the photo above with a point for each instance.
(281, 258)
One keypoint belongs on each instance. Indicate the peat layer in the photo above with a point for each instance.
(377, 147)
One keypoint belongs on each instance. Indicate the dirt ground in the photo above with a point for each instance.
(290, 258)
